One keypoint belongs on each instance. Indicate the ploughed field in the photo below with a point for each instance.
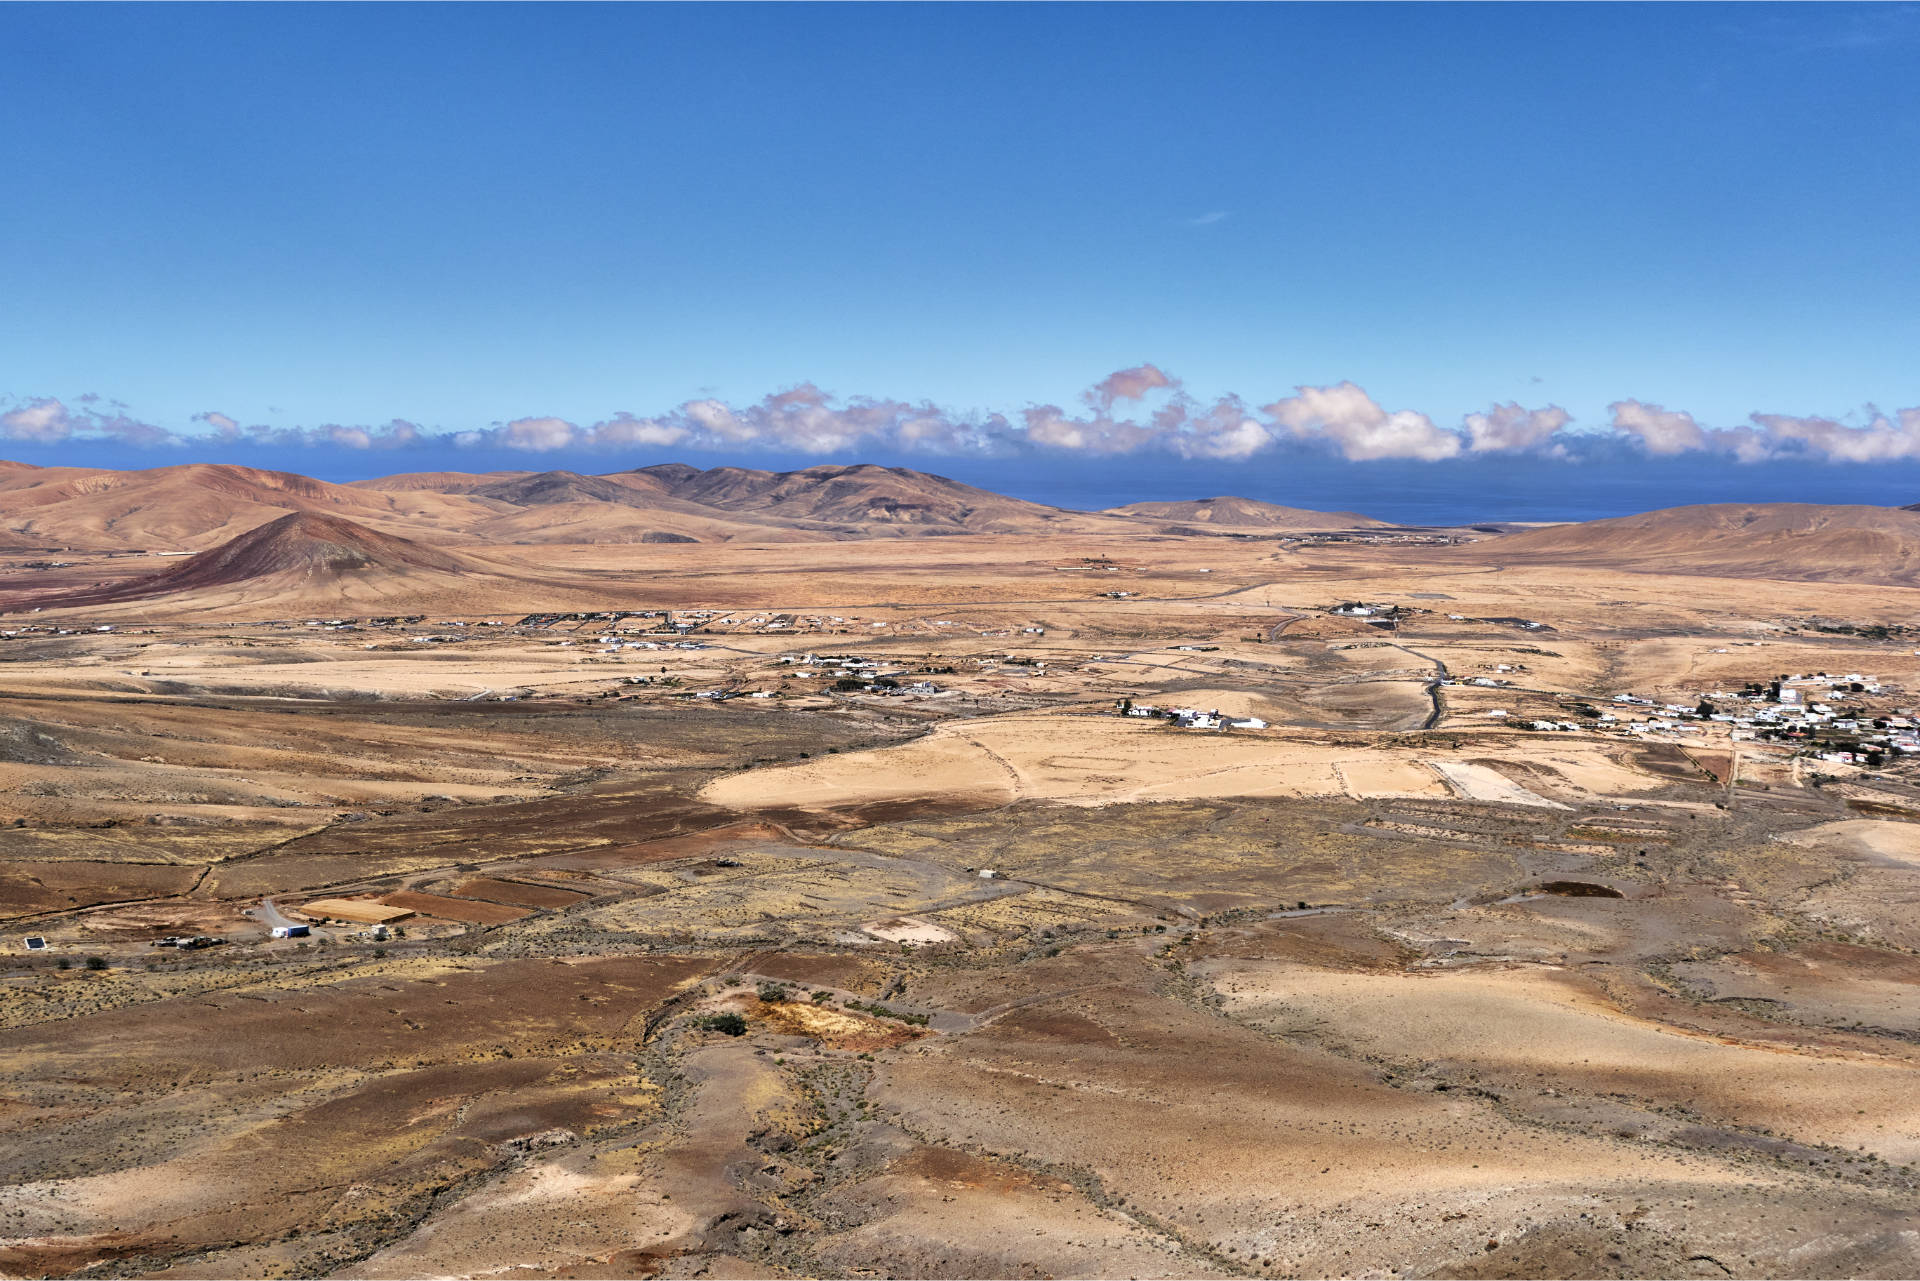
(815, 910)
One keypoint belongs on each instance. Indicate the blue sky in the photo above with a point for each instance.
(304, 218)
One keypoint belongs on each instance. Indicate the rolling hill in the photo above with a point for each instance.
(441, 482)
(1801, 541)
(734, 503)
(197, 506)
(1242, 514)
(194, 506)
(302, 554)
(866, 496)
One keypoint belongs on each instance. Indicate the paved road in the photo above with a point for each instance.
(1432, 683)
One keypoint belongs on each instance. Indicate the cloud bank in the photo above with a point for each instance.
(1138, 410)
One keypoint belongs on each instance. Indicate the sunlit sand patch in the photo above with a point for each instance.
(1897, 843)
(1100, 760)
(1481, 783)
(1251, 779)
(1389, 777)
(908, 929)
(1523, 1022)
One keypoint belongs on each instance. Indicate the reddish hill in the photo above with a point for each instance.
(302, 550)
(197, 505)
(312, 546)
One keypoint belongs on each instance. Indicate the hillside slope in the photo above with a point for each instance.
(194, 506)
(861, 500)
(299, 555)
(864, 499)
(439, 482)
(1803, 541)
(1242, 514)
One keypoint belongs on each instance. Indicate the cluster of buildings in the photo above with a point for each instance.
(851, 667)
(47, 629)
(1190, 717)
(843, 663)
(613, 643)
(1793, 708)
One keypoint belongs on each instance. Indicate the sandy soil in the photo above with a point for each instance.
(1109, 760)
(1345, 996)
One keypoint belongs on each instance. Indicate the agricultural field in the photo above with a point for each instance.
(888, 943)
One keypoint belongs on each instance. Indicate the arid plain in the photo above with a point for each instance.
(849, 873)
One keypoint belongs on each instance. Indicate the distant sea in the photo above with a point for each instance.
(1455, 492)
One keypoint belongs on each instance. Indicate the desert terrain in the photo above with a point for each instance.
(851, 873)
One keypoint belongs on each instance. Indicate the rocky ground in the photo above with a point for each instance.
(719, 988)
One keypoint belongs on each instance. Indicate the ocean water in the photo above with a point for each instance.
(1464, 492)
(1455, 492)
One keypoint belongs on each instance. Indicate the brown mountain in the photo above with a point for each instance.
(440, 482)
(311, 546)
(1242, 514)
(864, 497)
(196, 505)
(540, 489)
(740, 503)
(1735, 540)
(299, 554)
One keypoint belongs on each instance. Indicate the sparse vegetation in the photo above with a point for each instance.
(727, 1023)
(645, 851)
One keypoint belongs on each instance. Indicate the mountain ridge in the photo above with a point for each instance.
(193, 507)
(1817, 542)
(1232, 512)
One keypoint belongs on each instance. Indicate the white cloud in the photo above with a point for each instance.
(1050, 428)
(1142, 408)
(1507, 428)
(625, 429)
(1662, 431)
(715, 420)
(1359, 428)
(1226, 430)
(539, 435)
(45, 420)
(1883, 439)
(39, 420)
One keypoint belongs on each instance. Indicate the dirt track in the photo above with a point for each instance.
(1342, 996)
